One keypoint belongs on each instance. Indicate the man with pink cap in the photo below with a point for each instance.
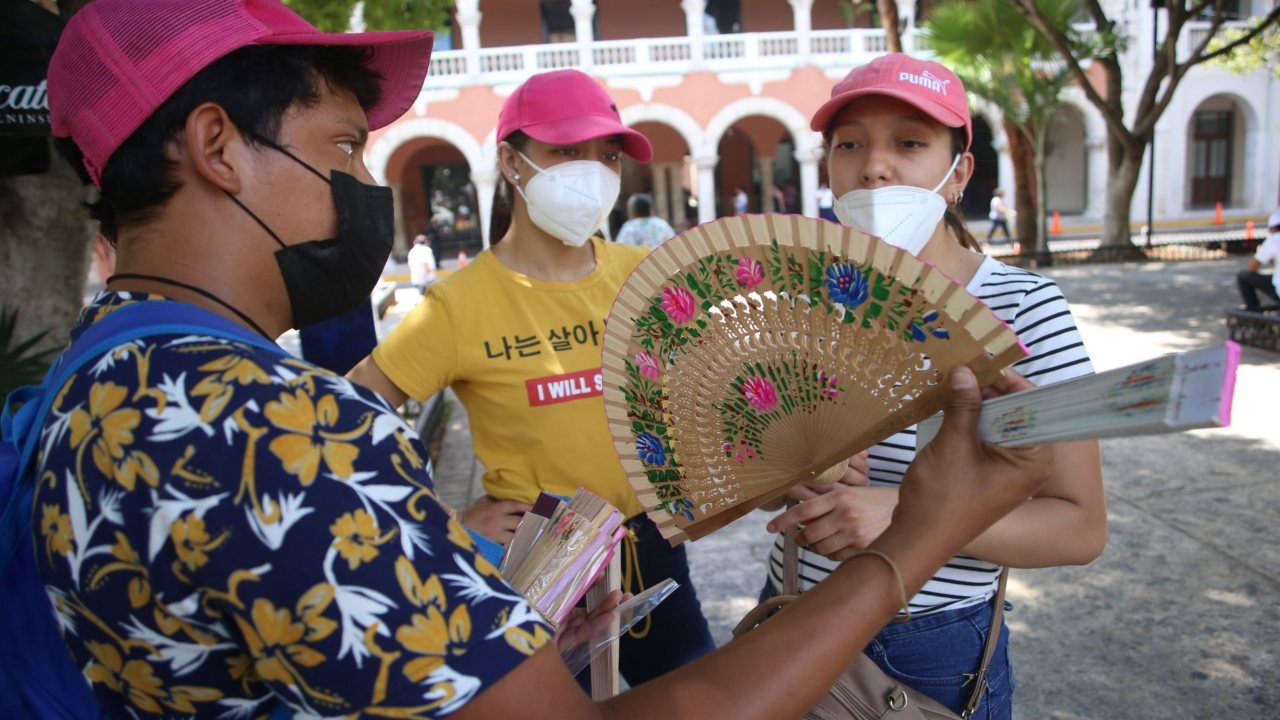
(897, 134)
(222, 530)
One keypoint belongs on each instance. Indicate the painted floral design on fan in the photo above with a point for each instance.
(846, 285)
(678, 304)
(650, 449)
(750, 273)
(760, 393)
(766, 393)
(648, 366)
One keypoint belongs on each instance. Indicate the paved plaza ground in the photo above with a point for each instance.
(1179, 617)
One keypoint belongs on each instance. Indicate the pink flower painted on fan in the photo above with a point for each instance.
(648, 365)
(760, 393)
(678, 304)
(828, 383)
(750, 273)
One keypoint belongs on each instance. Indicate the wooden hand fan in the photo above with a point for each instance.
(751, 353)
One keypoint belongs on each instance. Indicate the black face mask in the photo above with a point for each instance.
(326, 278)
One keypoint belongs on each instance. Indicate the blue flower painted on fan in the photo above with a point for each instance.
(941, 334)
(930, 316)
(846, 285)
(917, 332)
(650, 449)
(684, 507)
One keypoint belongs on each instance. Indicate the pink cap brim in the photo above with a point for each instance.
(401, 57)
(822, 119)
(581, 129)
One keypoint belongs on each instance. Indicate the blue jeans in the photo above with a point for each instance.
(936, 654)
(677, 631)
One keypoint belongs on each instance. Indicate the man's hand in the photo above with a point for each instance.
(493, 518)
(582, 625)
(958, 485)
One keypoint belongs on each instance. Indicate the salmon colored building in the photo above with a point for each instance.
(724, 90)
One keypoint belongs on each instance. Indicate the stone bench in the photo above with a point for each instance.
(1259, 329)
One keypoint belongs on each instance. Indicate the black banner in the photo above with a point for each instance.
(27, 40)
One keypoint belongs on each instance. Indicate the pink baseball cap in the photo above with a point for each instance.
(928, 86)
(564, 107)
(119, 60)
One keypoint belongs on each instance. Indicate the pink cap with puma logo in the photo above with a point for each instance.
(927, 85)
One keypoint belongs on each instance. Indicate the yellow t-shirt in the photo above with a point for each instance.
(523, 356)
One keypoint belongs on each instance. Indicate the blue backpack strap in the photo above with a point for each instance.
(37, 676)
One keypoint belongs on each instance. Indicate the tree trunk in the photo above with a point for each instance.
(1124, 164)
(1042, 200)
(1024, 186)
(45, 238)
(888, 11)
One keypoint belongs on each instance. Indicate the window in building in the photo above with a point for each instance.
(1211, 157)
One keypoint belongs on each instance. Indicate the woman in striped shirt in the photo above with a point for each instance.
(897, 134)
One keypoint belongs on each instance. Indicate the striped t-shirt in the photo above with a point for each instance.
(1034, 307)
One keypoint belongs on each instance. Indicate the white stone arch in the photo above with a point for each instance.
(806, 140)
(379, 155)
(668, 115)
(1067, 161)
(1247, 157)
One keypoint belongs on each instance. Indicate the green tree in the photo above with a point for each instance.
(1129, 129)
(1263, 51)
(1002, 58)
(341, 15)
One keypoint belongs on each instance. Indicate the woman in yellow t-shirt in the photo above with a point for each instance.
(517, 336)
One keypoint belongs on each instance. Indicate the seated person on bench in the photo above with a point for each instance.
(1251, 281)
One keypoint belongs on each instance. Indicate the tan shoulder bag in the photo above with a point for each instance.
(864, 692)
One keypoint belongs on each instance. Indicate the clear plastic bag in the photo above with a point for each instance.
(579, 655)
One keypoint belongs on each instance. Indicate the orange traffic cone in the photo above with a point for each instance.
(1217, 213)
(1248, 230)
(1055, 228)
(462, 259)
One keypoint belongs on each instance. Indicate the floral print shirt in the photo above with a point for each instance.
(222, 528)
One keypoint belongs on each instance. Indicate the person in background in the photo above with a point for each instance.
(422, 263)
(888, 134)
(999, 216)
(1251, 282)
(643, 228)
(740, 201)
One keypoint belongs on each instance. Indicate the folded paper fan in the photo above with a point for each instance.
(751, 353)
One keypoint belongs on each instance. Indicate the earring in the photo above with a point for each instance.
(515, 177)
(959, 198)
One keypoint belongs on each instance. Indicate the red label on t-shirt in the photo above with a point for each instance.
(563, 388)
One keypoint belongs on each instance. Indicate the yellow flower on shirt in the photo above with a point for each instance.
(192, 542)
(56, 528)
(309, 436)
(431, 639)
(111, 430)
(355, 535)
(274, 640)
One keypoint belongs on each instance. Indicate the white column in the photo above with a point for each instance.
(485, 182)
(802, 15)
(693, 12)
(1096, 190)
(707, 188)
(584, 12)
(660, 207)
(399, 242)
(676, 187)
(765, 164)
(1004, 162)
(907, 16)
(469, 15)
(808, 183)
